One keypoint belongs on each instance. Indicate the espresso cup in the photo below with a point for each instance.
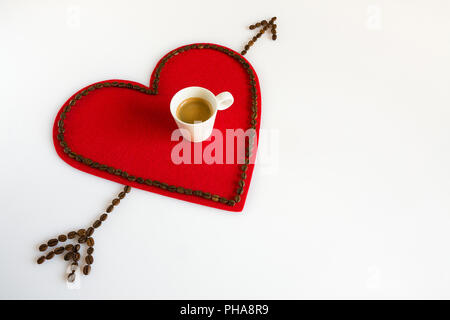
(199, 131)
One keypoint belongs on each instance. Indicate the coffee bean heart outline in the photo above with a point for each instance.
(153, 90)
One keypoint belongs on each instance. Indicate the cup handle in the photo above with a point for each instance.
(224, 100)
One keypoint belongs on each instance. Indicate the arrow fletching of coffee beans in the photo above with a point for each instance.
(78, 238)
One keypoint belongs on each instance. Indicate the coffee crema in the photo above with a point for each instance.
(194, 110)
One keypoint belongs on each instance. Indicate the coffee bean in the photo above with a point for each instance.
(116, 201)
(76, 248)
(81, 232)
(89, 231)
(274, 37)
(68, 256)
(110, 208)
(206, 195)
(121, 195)
(215, 198)
(188, 191)
(264, 22)
(82, 239)
(76, 256)
(90, 241)
(223, 200)
(258, 24)
(95, 165)
(241, 183)
(237, 198)
(243, 52)
(247, 47)
(86, 269)
(43, 247)
(71, 277)
(231, 202)
(103, 217)
(90, 250)
(97, 224)
(140, 180)
(243, 175)
(252, 27)
(74, 266)
(131, 178)
(89, 259)
(59, 250)
(50, 255)
(62, 238)
(69, 247)
(41, 259)
(180, 189)
(52, 242)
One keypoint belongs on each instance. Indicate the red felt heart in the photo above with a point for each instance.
(121, 130)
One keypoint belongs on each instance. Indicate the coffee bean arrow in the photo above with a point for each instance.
(84, 237)
(264, 25)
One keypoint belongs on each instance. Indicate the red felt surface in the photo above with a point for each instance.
(129, 130)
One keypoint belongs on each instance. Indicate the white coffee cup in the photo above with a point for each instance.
(197, 132)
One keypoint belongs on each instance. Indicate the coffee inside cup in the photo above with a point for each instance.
(194, 110)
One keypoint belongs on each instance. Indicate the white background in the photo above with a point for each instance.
(351, 195)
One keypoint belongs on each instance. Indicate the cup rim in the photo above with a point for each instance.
(173, 112)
